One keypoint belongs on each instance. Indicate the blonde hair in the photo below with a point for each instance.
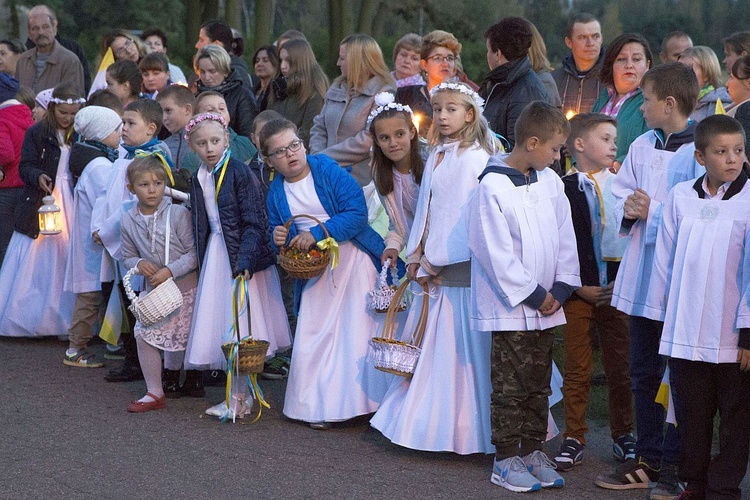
(538, 51)
(364, 60)
(708, 62)
(476, 131)
(218, 56)
(306, 77)
(439, 38)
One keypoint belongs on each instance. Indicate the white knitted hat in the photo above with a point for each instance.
(96, 122)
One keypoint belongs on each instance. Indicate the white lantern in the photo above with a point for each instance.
(50, 217)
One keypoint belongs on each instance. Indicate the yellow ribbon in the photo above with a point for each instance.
(139, 153)
(221, 178)
(719, 109)
(331, 244)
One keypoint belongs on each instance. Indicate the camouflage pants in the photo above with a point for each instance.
(521, 372)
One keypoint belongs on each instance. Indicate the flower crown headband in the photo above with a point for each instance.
(458, 87)
(78, 100)
(386, 101)
(202, 118)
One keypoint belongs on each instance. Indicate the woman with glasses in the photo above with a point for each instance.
(124, 45)
(339, 130)
(440, 63)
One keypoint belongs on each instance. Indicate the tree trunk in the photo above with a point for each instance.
(234, 14)
(193, 20)
(378, 23)
(263, 22)
(367, 11)
(335, 32)
(210, 10)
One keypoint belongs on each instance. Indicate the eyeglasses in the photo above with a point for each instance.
(450, 59)
(124, 49)
(281, 152)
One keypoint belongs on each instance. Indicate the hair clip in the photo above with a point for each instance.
(201, 118)
(386, 101)
(78, 100)
(459, 87)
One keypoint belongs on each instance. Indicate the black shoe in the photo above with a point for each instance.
(193, 385)
(214, 378)
(126, 373)
(170, 383)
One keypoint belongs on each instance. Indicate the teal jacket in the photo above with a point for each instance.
(630, 122)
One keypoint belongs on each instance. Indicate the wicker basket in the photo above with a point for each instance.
(394, 356)
(380, 298)
(244, 356)
(156, 304)
(249, 357)
(305, 268)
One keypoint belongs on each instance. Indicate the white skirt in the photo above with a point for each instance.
(213, 319)
(445, 406)
(331, 379)
(33, 302)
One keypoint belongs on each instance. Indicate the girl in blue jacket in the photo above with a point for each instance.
(330, 379)
(231, 239)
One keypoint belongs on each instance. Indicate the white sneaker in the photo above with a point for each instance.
(544, 469)
(512, 474)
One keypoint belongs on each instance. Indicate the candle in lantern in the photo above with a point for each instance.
(416, 119)
(50, 220)
(570, 114)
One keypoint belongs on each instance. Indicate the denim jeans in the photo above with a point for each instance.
(653, 443)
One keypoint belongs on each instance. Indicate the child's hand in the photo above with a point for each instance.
(590, 294)
(615, 167)
(304, 241)
(548, 301)
(45, 183)
(637, 204)
(551, 309)
(160, 276)
(605, 297)
(96, 238)
(743, 358)
(279, 235)
(389, 253)
(246, 275)
(147, 268)
(411, 270)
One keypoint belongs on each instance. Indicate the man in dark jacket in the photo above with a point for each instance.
(512, 83)
(578, 78)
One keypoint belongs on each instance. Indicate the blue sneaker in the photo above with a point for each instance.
(623, 448)
(544, 469)
(512, 474)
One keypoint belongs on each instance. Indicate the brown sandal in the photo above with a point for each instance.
(140, 407)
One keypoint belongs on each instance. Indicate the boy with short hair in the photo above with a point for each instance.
(177, 104)
(524, 266)
(656, 161)
(141, 121)
(700, 288)
(264, 172)
(588, 186)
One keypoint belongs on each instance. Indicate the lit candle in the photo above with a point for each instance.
(416, 119)
(570, 114)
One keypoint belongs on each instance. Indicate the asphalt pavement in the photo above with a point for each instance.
(64, 433)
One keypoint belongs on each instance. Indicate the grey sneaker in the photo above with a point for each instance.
(669, 486)
(512, 474)
(544, 469)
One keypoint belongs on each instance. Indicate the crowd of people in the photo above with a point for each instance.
(574, 201)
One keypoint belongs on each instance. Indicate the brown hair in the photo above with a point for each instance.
(382, 166)
(106, 99)
(306, 77)
(410, 41)
(149, 110)
(714, 125)
(542, 120)
(676, 80)
(65, 90)
(583, 123)
(439, 38)
(155, 61)
(272, 128)
(146, 164)
(180, 94)
(613, 50)
(364, 61)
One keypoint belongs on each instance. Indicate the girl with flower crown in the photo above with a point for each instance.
(445, 406)
(32, 300)
(229, 224)
(397, 167)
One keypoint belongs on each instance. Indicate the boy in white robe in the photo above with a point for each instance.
(701, 278)
(524, 265)
(656, 161)
(100, 131)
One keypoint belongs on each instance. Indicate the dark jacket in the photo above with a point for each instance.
(581, 217)
(40, 154)
(417, 97)
(506, 90)
(244, 223)
(240, 102)
(630, 121)
(240, 66)
(81, 154)
(263, 172)
(578, 91)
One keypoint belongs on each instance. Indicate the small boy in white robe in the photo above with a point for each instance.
(524, 265)
(700, 288)
(100, 132)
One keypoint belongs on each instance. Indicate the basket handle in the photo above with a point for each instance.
(288, 223)
(390, 316)
(127, 285)
(241, 292)
(416, 338)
